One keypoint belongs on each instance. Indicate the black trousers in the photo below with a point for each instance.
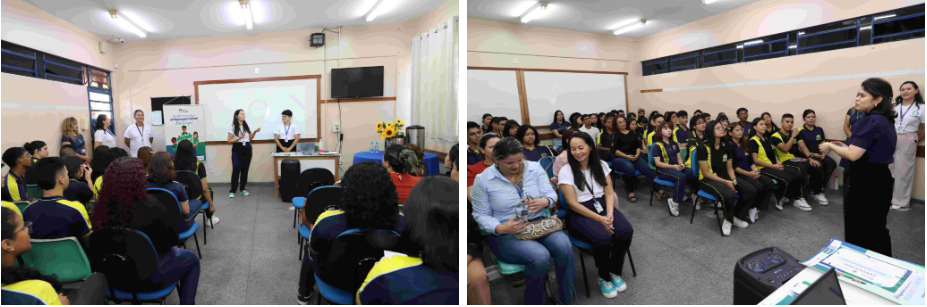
(731, 206)
(241, 162)
(820, 175)
(763, 186)
(789, 180)
(865, 211)
(286, 144)
(608, 250)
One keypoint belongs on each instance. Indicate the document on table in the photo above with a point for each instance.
(897, 280)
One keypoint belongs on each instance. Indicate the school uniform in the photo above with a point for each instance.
(55, 217)
(78, 191)
(629, 143)
(789, 178)
(105, 137)
(406, 280)
(286, 134)
(12, 207)
(241, 158)
(474, 156)
(605, 139)
(97, 185)
(561, 128)
(870, 184)
(26, 177)
(181, 193)
(788, 158)
(30, 292)
(907, 121)
(819, 174)
(485, 129)
(77, 143)
(716, 160)
(692, 142)
(681, 135)
(14, 188)
(138, 137)
(667, 153)
(763, 185)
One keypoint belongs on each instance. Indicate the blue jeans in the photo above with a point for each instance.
(179, 265)
(626, 166)
(536, 256)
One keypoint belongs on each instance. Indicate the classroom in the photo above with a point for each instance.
(635, 152)
(318, 132)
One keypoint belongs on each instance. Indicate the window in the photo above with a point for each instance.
(18, 60)
(719, 55)
(684, 62)
(98, 78)
(766, 48)
(901, 25)
(656, 67)
(64, 70)
(828, 37)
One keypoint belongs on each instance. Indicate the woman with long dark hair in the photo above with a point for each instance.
(656, 122)
(593, 214)
(101, 134)
(185, 160)
(28, 286)
(38, 150)
(869, 181)
(629, 155)
(717, 177)
(558, 127)
(764, 156)
(487, 124)
(575, 121)
(240, 136)
(106, 158)
(399, 161)
(606, 139)
(161, 174)
(696, 136)
(748, 173)
(771, 126)
(909, 125)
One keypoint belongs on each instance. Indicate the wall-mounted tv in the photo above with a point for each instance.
(357, 82)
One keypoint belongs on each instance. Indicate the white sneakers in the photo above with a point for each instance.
(232, 195)
(214, 220)
(901, 208)
(801, 204)
(726, 228)
(754, 215)
(739, 223)
(820, 199)
(781, 203)
(673, 206)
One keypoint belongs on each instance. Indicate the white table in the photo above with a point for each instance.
(852, 294)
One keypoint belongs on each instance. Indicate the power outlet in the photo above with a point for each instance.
(210, 169)
(336, 128)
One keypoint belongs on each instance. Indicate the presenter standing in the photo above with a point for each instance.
(138, 135)
(240, 136)
(287, 134)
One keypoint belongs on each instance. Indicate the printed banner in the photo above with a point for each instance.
(185, 122)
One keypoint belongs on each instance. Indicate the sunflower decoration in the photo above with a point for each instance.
(389, 132)
(379, 127)
(400, 123)
(391, 125)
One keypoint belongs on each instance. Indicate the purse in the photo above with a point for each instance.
(539, 228)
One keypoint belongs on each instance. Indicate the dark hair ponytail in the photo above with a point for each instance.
(879, 88)
(31, 147)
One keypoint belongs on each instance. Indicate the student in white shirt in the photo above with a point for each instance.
(240, 136)
(588, 127)
(909, 125)
(138, 135)
(287, 134)
(102, 135)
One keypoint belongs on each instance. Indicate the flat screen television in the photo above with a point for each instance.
(357, 82)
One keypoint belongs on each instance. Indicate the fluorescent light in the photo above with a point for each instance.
(709, 1)
(630, 27)
(753, 42)
(374, 11)
(883, 17)
(127, 24)
(246, 13)
(533, 12)
(801, 33)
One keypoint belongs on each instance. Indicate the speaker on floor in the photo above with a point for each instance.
(289, 177)
(760, 273)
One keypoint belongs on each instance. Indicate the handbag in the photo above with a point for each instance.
(539, 228)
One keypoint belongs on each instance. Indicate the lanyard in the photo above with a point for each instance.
(140, 135)
(901, 118)
(286, 133)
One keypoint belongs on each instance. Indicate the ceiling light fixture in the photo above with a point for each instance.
(127, 24)
(630, 27)
(883, 17)
(533, 12)
(375, 11)
(246, 13)
(709, 1)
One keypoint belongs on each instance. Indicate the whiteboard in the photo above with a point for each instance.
(572, 92)
(262, 101)
(494, 92)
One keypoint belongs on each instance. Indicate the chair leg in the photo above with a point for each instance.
(694, 203)
(300, 250)
(631, 260)
(651, 193)
(197, 242)
(582, 263)
(295, 214)
(204, 229)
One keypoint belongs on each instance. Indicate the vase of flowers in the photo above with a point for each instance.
(390, 132)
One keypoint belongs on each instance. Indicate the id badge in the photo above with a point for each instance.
(598, 207)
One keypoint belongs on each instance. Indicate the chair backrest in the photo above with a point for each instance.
(321, 199)
(547, 164)
(34, 191)
(63, 257)
(693, 161)
(352, 254)
(125, 256)
(22, 205)
(168, 199)
(312, 178)
(650, 156)
(191, 182)
(446, 296)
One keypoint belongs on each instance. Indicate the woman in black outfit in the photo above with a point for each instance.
(240, 136)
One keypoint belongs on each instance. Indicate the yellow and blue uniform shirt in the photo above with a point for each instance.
(329, 225)
(30, 292)
(97, 185)
(474, 156)
(14, 188)
(779, 138)
(54, 217)
(401, 279)
(763, 150)
(811, 137)
(11, 206)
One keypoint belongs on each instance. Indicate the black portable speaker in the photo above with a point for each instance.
(760, 273)
(289, 177)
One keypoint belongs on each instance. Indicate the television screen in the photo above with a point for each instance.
(357, 82)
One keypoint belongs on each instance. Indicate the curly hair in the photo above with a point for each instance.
(370, 199)
(15, 274)
(161, 169)
(123, 186)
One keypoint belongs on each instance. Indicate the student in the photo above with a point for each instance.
(561, 160)
(161, 175)
(770, 125)
(605, 140)
(510, 128)
(369, 202)
(619, 113)
(450, 158)
(869, 183)
(576, 121)
(641, 113)
(748, 174)
(600, 121)
(670, 116)
(717, 177)
(107, 158)
(696, 113)
(71, 137)
(487, 124)
(240, 136)
(627, 148)
(38, 150)
(588, 125)
(185, 160)
(101, 134)
(909, 125)
(138, 135)
(783, 142)
(80, 186)
(99, 154)
(125, 203)
(656, 122)
(23, 285)
(418, 169)
(398, 161)
(743, 116)
(681, 131)
(558, 127)
(430, 265)
(640, 126)
(707, 117)
(66, 152)
(145, 154)
(14, 184)
(528, 136)
(723, 121)
(670, 166)
(473, 143)
(593, 214)
(820, 167)
(287, 134)
(498, 123)
(763, 155)
(852, 117)
(487, 143)
(52, 216)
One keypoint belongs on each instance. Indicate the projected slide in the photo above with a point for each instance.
(262, 102)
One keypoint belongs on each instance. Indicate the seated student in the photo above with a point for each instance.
(398, 161)
(38, 150)
(498, 123)
(770, 125)
(743, 116)
(99, 154)
(487, 124)
(723, 121)
(107, 158)
(529, 138)
(145, 154)
(53, 216)
(681, 131)
(696, 136)
(670, 166)
(696, 113)
(783, 142)
(67, 152)
(450, 158)
(641, 113)
(428, 273)
(561, 159)
(820, 166)
(510, 129)
(79, 186)
(656, 122)
(161, 175)
(557, 128)
(473, 143)
(717, 177)
(599, 121)
(185, 160)
(639, 131)
(477, 280)
(627, 149)
(762, 152)
(748, 173)
(24, 285)
(670, 117)
(606, 139)
(418, 169)
(487, 143)
(576, 121)
(14, 183)
(369, 202)
(593, 214)
(588, 125)
(124, 202)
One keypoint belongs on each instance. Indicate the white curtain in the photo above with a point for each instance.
(435, 59)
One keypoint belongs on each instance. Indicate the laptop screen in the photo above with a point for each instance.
(824, 291)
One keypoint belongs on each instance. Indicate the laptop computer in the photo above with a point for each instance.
(823, 291)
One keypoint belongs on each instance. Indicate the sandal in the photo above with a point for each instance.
(660, 195)
(631, 198)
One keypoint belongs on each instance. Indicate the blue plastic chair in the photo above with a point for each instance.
(299, 203)
(622, 174)
(157, 296)
(201, 210)
(547, 164)
(657, 181)
(702, 194)
(184, 233)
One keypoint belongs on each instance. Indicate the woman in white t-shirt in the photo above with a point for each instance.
(240, 136)
(287, 134)
(102, 135)
(909, 124)
(593, 215)
(138, 135)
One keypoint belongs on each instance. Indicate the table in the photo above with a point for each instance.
(852, 294)
(307, 160)
(431, 160)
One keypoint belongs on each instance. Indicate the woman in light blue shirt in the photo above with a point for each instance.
(496, 194)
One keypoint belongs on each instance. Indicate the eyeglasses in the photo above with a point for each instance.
(26, 225)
